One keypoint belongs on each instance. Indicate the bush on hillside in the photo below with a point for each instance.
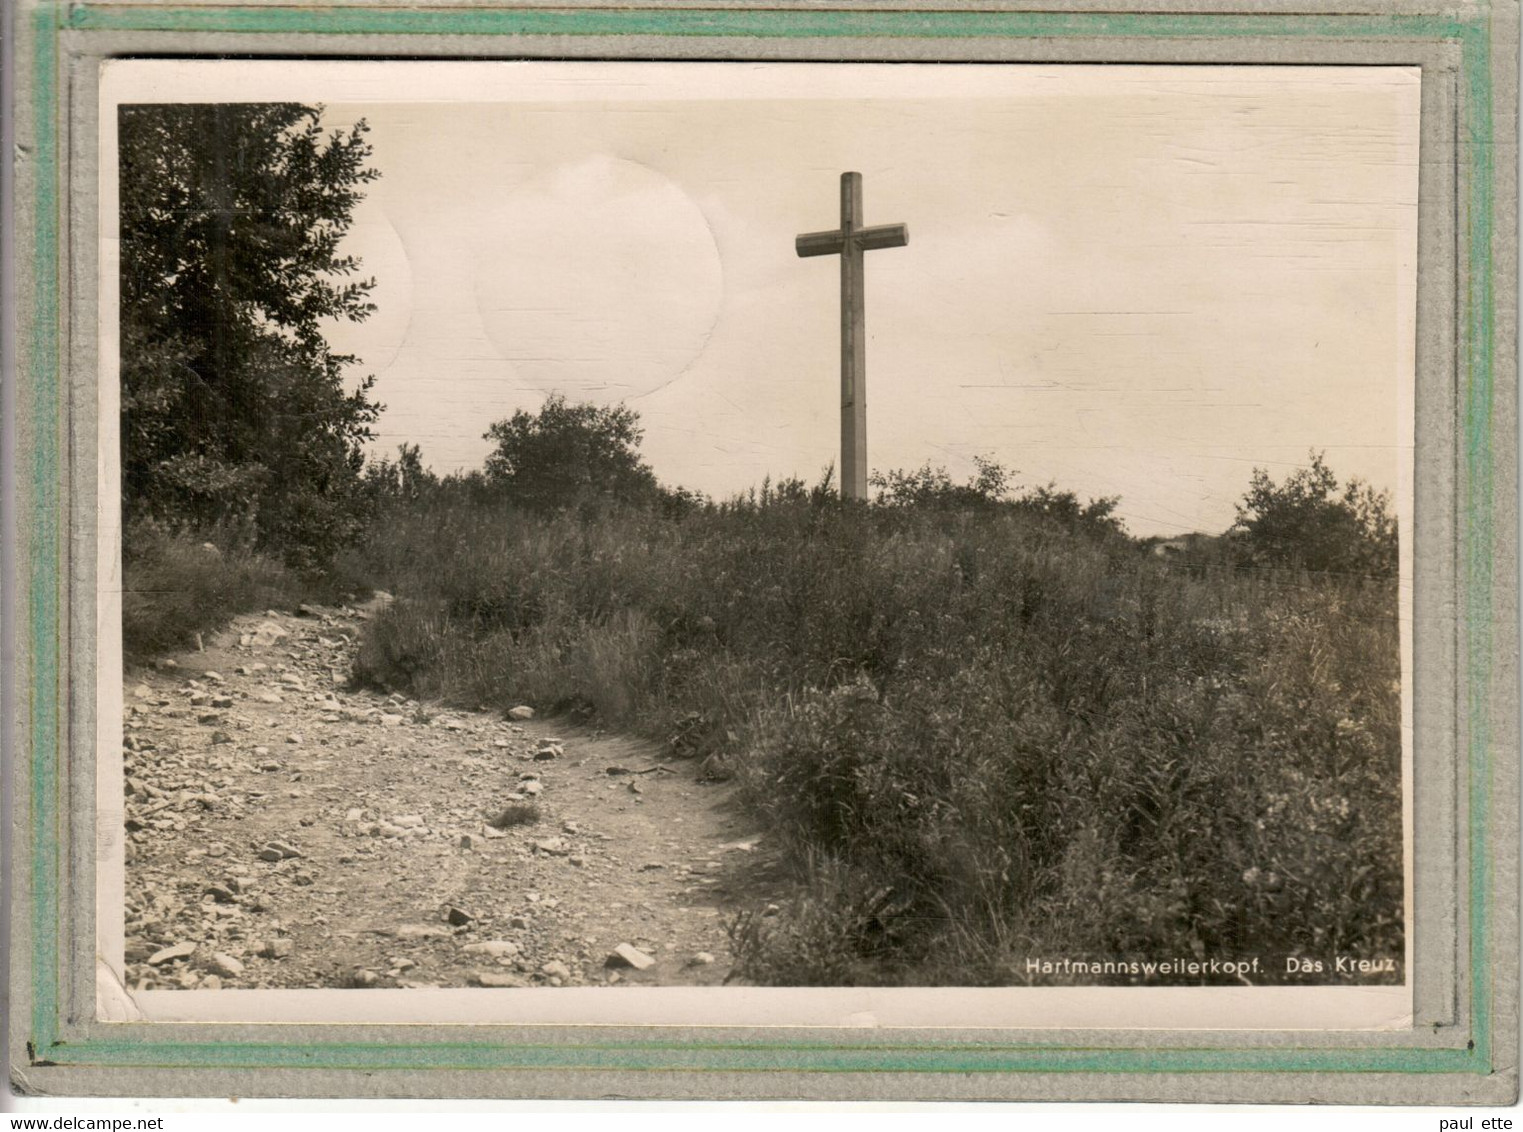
(570, 455)
(1308, 522)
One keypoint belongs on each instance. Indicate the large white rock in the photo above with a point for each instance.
(496, 948)
(177, 951)
(627, 955)
(225, 965)
(267, 633)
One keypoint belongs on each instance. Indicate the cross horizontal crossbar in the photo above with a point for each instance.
(868, 239)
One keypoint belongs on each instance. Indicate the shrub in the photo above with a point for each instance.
(843, 931)
(569, 455)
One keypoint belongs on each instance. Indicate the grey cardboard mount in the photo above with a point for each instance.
(1463, 1046)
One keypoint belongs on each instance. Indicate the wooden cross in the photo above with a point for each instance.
(849, 241)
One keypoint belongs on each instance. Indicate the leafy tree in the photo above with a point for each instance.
(234, 410)
(1308, 522)
(570, 455)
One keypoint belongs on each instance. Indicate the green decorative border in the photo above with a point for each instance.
(46, 568)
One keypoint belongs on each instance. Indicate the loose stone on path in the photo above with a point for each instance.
(386, 794)
(177, 951)
(627, 955)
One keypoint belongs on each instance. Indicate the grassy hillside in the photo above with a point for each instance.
(983, 734)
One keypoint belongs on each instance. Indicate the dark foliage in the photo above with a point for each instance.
(234, 409)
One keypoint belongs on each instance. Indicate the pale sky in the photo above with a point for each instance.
(1134, 281)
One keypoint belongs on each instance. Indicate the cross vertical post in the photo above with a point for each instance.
(853, 344)
(849, 242)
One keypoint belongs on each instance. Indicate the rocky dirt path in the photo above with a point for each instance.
(285, 830)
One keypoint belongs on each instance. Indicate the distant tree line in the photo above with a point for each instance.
(585, 457)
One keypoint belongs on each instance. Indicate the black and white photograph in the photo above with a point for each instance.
(588, 529)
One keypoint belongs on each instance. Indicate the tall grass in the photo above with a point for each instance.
(982, 736)
(180, 583)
